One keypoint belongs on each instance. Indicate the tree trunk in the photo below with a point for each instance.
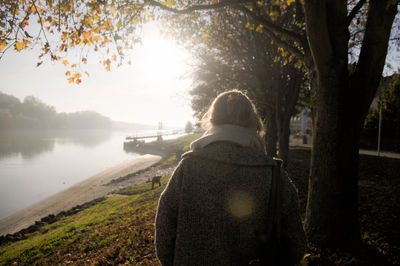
(331, 216)
(287, 97)
(270, 134)
(339, 110)
(284, 134)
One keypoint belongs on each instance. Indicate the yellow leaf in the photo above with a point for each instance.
(114, 57)
(73, 65)
(78, 81)
(65, 62)
(19, 46)
(3, 44)
(230, 35)
(259, 28)
(87, 35)
(249, 26)
(77, 75)
(64, 37)
(71, 79)
(68, 73)
(289, 2)
(108, 67)
(96, 38)
(170, 3)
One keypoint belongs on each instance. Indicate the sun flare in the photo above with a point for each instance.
(161, 74)
(161, 58)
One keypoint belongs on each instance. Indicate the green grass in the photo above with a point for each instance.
(134, 190)
(177, 147)
(119, 229)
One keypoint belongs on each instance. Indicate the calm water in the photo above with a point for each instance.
(35, 165)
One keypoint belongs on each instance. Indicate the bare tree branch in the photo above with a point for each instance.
(192, 8)
(354, 11)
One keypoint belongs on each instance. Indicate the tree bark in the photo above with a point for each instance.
(271, 136)
(339, 107)
(284, 134)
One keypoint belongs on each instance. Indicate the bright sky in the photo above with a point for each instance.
(154, 88)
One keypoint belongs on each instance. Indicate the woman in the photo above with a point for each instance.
(216, 207)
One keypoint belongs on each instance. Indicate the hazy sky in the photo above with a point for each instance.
(154, 88)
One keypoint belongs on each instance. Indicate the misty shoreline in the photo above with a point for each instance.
(91, 189)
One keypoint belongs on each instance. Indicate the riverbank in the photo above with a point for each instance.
(120, 229)
(90, 189)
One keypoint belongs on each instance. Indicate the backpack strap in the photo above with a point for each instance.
(274, 211)
(269, 251)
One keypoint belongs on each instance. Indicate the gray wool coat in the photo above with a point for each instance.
(213, 210)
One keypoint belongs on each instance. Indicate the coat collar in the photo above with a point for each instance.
(231, 153)
(240, 135)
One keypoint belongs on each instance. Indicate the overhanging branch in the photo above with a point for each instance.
(354, 11)
(271, 26)
(192, 8)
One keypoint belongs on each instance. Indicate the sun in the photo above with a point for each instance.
(161, 58)
(162, 78)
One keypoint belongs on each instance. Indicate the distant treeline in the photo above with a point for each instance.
(32, 113)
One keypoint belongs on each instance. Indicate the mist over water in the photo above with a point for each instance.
(36, 164)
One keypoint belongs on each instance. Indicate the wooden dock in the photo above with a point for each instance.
(158, 136)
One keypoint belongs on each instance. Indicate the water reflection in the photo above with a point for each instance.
(32, 143)
(37, 164)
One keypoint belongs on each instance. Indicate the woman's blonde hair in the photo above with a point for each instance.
(235, 108)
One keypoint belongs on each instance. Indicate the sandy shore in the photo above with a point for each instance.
(87, 190)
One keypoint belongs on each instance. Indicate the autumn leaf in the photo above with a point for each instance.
(68, 73)
(3, 44)
(71, 79)
(65, 62)
(20, 46)
(87, 35)
(113, 10)
(78, 81)
(73, 65)
(24, 23)
(170, 3)
(87, 73)
(114, 57)
(289, 2)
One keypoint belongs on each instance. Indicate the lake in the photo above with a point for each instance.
(37, 164)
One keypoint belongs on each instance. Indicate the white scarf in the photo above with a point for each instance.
(237, 134)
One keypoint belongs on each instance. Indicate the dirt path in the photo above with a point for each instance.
(92, 188)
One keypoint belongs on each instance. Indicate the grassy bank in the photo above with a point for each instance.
(117, 230)
(121, 229)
